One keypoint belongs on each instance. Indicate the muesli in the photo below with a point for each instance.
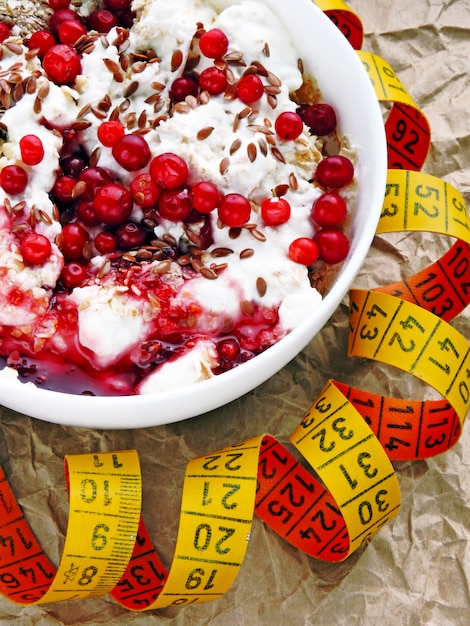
(173, 192)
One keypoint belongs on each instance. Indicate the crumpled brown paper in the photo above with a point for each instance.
(416, 570)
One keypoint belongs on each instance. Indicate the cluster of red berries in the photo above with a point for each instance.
(329, 211)
(214, 44)
(14, 178)
(329, 244)
(56, 46)
(161, 182)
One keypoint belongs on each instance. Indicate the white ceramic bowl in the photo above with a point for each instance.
(344, 83)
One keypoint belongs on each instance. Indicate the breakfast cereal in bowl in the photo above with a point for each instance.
(179, 196)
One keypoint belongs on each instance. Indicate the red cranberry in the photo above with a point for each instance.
(4, 32)
(333, 245)
(61, 16)
(102, 20)
(35, 249)
(329, 210)
(213, 43)
(73, 241)
(144, 190)
(69, 31)
(32, 150)
(303, 251)
(275, 211)
(72, 165)
(110, 132)
(175, 204)
(62, 64)
(132, 152)
(94, 178)
(183, 86)
(168, 170)
(213, 80)
(320, 118)
(249, 88)
(234, 210)
(63, 189)
(117, 5)
(13, 179)
(228, 349)
(288, 126)
(105, 242)
(127, 17)
(334, 172)
(205, 196)
(41, 41)
(86, 213)
(73, 274)
(112, 204)
(56, 5)
(130, 235)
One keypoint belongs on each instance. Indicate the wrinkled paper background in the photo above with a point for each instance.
(416, 571)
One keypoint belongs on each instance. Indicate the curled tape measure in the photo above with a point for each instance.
(348, 437)
(105, 502)
(406, 129)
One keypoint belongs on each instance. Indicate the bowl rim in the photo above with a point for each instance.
(147, 410)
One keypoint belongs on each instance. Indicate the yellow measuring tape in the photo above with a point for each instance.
(349, 437)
